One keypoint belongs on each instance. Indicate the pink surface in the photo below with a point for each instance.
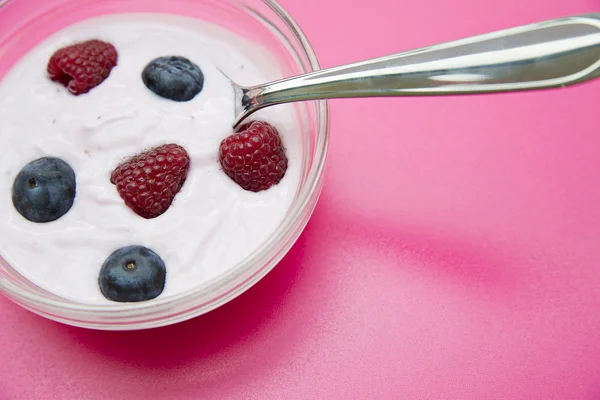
(454, 253)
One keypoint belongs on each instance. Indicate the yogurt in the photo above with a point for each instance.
(212, 224)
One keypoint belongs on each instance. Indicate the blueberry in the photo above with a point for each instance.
(44, 190)
(173, 77)
(131, 274)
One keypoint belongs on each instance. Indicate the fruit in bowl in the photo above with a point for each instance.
(159, 194)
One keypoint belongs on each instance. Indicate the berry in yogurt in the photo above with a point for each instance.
(162, 203)
(148, 182)
(254, 156)
(44, 190)
(174, 77)
(82, 66)
(132, 274)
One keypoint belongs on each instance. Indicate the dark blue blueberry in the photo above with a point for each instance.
(44, 190)
(131, 274)
(173, 77)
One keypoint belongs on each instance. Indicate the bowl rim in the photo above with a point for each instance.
(234, 282)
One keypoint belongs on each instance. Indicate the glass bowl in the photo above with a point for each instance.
(25, 23)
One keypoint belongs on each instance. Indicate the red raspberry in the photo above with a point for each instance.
(82, 66)
(148, 182)
(254, 157)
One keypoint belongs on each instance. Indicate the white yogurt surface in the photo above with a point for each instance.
(213, 223)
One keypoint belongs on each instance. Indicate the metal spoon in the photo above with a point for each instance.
(550, 54)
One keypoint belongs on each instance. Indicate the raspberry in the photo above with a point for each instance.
(148, 182)
(254, 157)
(82, 66)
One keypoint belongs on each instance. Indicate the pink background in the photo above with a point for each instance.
(454, 254)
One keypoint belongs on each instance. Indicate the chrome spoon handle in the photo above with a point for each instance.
(548, 54)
